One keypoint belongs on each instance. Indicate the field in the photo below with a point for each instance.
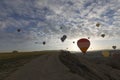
(10, 62)
(63, 63)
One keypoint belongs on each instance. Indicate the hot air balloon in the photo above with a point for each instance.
(63, 38)
(83, 44)
(18, 30)
(98, 24)
(44, 42)
(73, 42)
(88, 37)
(106, 53)
(114, 47)
(66, 48)
(60, 27)
(103, 35)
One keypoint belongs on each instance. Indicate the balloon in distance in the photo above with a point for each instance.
(83, 45)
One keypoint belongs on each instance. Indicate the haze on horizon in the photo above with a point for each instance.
(26, 24)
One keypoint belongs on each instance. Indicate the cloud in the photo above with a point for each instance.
(43, 18)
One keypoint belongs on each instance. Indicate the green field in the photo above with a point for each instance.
(9, 62)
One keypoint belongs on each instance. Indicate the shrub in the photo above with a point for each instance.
(15, 51)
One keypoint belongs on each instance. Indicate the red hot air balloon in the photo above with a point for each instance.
(83, 44)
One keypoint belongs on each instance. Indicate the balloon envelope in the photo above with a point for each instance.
(60, 27)
(73, 42)
(44, 42)
(18, 30)
(83, 44)
(98, 24)
(114, 47)
(103, 35)
(63, 38)
(88, 37)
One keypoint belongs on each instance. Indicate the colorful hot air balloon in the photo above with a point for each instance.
(83, 44)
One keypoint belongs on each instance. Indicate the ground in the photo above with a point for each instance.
(59, 65)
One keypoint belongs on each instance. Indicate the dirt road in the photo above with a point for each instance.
(46, 67)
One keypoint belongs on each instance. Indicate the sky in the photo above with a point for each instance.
(41, 20)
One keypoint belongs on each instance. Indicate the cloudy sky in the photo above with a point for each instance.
(49, 20)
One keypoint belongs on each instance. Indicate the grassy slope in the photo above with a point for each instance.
(10, 62)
